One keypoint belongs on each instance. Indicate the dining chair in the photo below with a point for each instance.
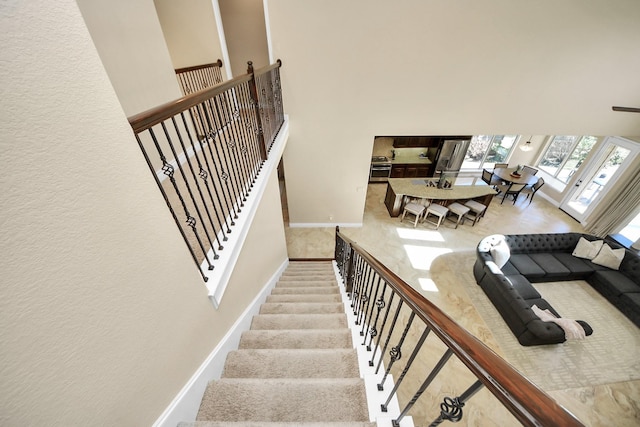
(487, 176)
(501, 165)
(530, 170)
(531, 191)
(511, 189)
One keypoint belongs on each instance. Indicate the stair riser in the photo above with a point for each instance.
(293, 298)
(301, 339)
(299, 321)
(301, 308)
(305, 291)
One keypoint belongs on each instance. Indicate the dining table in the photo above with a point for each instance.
(507, 175)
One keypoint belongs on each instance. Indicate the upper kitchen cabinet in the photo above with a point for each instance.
(415, 141)
(424, 141)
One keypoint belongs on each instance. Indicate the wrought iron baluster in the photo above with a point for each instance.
(370, 307)
(366, 297)
(380, 304)
(396, 352)
(388, 340)
(204, 174)
(451, 408)
(199, 189)
(169, 206)
(168, 170)
(384, 323)
(414, 353)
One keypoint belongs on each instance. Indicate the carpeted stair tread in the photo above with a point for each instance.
(306, 283)
(299, 321)
(308, 277)
(275, 424)
(308, 290)
(304, 298)
(301, 308)
(292, 363)
(311, 338)
(291, 400)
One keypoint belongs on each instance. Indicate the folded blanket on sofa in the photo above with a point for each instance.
(572, 329)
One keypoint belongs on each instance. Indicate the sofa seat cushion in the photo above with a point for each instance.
(509, 270)
(551, 266)
(577, 266)
(526, 266)
(616, 282)
(523, 286)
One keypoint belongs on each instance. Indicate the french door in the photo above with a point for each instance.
(598, 176)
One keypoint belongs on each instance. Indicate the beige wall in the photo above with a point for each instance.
(129, 39)
(190, 31)
(357, 69)
(245, 31)
(103, 315)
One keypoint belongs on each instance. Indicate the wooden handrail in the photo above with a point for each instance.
(528, 403)
(145, 120)
(218, 64)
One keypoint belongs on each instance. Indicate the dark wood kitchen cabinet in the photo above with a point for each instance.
(416, 141)
(410, 170)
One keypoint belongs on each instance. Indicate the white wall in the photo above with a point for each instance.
(103, 315)
(190, 31)
(245, 32)
(353, 70)
(129, 39)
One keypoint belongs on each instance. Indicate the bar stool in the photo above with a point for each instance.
(460, 210)
(477, 209)
(437, 210)
(414, 209)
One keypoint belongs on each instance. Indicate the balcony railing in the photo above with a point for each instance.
(206, 151)
(395, 321)
(199, 77)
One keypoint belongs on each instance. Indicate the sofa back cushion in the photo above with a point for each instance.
(539, 243)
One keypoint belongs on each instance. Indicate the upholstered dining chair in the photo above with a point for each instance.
(487, 176)
(529, 169)
(531, 191)
(512, 189)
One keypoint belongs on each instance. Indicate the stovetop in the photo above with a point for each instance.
(379, 159)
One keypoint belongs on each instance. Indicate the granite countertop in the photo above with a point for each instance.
(400, 159)
(463, 188)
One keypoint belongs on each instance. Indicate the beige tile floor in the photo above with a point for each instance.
(416, 255)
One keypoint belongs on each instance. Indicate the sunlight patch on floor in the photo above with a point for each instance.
(421, 257)
(425, 235)
(427, 284)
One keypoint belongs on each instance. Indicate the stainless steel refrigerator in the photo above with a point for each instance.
(452, 155)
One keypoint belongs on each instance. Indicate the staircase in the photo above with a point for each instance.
(296, 366)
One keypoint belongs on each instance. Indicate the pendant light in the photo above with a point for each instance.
(527, 145)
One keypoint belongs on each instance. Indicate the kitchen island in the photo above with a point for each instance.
(463, 189)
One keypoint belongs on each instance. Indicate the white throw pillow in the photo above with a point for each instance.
(608, 257)
(500, 252)
(586, 249)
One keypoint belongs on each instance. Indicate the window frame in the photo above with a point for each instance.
(561, 165)
(488, 149)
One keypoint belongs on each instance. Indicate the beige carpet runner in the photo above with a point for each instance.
(296, 366)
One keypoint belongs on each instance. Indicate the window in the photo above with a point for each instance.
(565, 154)
(487, 150)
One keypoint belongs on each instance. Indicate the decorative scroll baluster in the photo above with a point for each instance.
(380, 304)
(366, 298)
(384, 323)
(204, 174)
(196, 183)
(168, 170)
(388, 340)
(396, 352)
(414, 353)
(451, 408)
(371, 306)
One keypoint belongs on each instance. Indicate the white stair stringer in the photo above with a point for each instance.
(375, 398)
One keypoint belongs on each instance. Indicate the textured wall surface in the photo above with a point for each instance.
(103, 316)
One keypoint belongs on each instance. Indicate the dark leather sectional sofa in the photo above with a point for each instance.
(548, 258)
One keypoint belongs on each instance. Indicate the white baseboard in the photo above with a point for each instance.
(185, 405)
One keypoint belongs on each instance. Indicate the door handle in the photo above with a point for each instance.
(578, 183)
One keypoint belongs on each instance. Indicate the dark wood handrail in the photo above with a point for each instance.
(528, 403)
(218, 64)
(265, 69)
(145, 120)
